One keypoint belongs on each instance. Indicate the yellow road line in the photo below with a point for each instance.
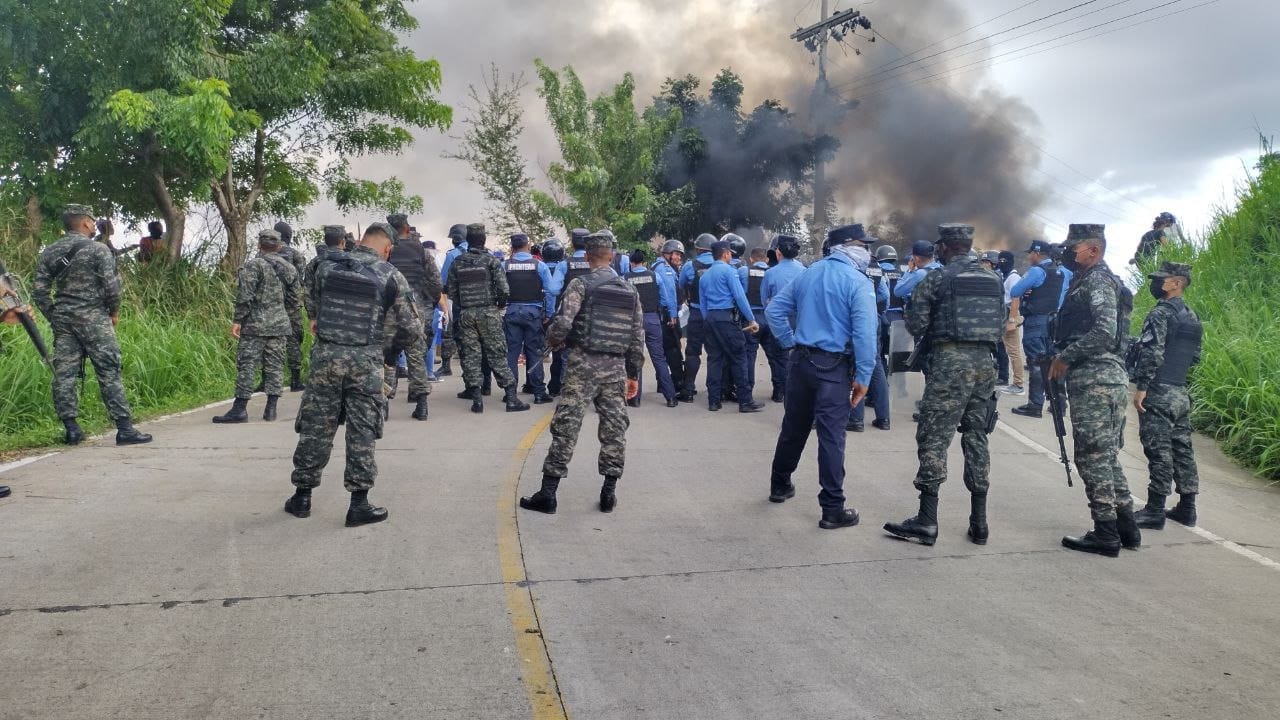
(539, 682)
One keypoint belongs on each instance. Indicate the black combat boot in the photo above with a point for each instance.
(1028, 410)
(295, 380)
(778, 396)
(238, 413)
(361, 512)
(1127, 529)
(750, 406)
(420, 410)
(269, 413)
(608, 500)
(780, 488)
(74, 434)
(685, 397)
(468, 393)
(486, 386)
(513, 401)
(633, 402)
(978, 531)
(542, 398)
(1184, 512)
(299, 504)
(730, 394)
(526, 388)
(127, 434)
(838, 519)
(922, 527)
(477, 402)
(543, 501)
(1152, 516)
(444, 370)
(5, 491)
(1103, 539)
(880, 424)
(853, 426)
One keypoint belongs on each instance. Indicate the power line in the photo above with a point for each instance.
(904, 55)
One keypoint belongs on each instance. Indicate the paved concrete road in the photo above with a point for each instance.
(165, 581)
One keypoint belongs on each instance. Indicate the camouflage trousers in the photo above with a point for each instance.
(956, 396)
(256, 353)
(1097, 421)
(1165, 429)
(75, 340)
(415, 355)
(481, 340)
(345, 385)
(294, 344)
(582, 386)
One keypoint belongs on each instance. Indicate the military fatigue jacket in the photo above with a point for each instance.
(604, 368)
(261, 292)
(402, 318)
(1154, 340)
(478, 257)
(88, 288)
(1093, 355)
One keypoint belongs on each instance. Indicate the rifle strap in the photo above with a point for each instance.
(64, 262)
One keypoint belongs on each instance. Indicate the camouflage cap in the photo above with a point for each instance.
(269, 237)
(600, 241)
(1173, 269)
(73, 210)
(1077, 233)
(383, 228)
(333, 234)
(955, 232)
(476, 231)
(397, 220)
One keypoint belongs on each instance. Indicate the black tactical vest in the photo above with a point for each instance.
(699, 269)
(1182, 346)
(526, 284)
(970, 305)
(646, 284)
(575, 268)
(755, 279)
(1076, 319)
(893, 277)
(353, 302)
(410, 259)
(876, 274)
(604, 325)
(475, 287)
(1044, 300)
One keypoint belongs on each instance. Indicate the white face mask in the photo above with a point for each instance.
(857, 253)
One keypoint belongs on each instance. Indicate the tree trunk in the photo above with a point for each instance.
(35, 220)
(175, 217)
(237, 243)
(236, 213)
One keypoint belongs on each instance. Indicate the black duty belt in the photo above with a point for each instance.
(811, 350)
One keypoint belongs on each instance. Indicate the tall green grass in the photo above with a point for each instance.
(1236, 291)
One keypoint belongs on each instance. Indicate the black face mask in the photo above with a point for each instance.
(1005, 267)
(1157, 288)
(1069, 259)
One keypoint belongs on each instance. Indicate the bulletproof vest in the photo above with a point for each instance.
(526, 284)
(475, 287)
(876, 274)
(575, 268)
(755, 279)
(604, 325)
(616, 264)
(893, 277)
(1182, 347)
(970, 305)
(646, 284)
(1044, 300)
(353, 302)
(1076, 319)
(699, 268)
(410, 259)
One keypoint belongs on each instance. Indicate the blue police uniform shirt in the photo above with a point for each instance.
(910, 280)
(892, 313)
(550, 290)
(1036, 276)
(667, 279)
(835, 310)
(720, 289)
(449, 257)
(563, 268)
(882, 291)
(687, 276)
(778, 277)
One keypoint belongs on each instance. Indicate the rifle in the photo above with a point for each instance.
(1054, 392)
(11, 302)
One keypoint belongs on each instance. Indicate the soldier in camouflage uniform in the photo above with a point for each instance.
(1165, 353)
(419, 269)
(1090, 328)
(78, 291)
(353, 294)
(961, 309)
(477, 285)
(335, 239)
(294, 341)
(602, 321)
(266, 295)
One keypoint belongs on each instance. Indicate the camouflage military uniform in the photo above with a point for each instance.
(480, 334)
(962, 377)
(266, 292)
(79, 305)
(426, 288)
(346, 381)
(592, 378)
(1165, 427)
(1097, 386)
(294, 341)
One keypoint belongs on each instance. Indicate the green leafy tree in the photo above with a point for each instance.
(609, 155)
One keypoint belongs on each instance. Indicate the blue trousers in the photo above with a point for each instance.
(522, 324)
(753, 348)
(694, 336)
(818, 389)
(726, 347)
(778, 356)
(877, 395)
(1036, 345)
(657, 356)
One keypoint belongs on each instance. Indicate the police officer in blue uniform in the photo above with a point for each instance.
(878, 390)
(574, 266)
(753, 271)
(1042, 290)
(657, 300)
(457, 236)
(695, 330)
(834, 339)
(786, 248)
(667, 268)
(532, 301)
(723, 302)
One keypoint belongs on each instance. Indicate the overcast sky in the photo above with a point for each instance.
(1156, 117)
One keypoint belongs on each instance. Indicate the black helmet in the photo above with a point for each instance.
(737, 245)
(458, 234)
(992, 256)
(1166, 217)
(886, 252)
(703, 242)
(552, 250)
(671, 246)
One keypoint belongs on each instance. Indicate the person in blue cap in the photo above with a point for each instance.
(834, 339)
(532, 301)
(878, 390)
(920, 264)
(657, 300)
(449, 342)
(776, 279)
(1042, 290)
(721, 294)
(695, 330)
